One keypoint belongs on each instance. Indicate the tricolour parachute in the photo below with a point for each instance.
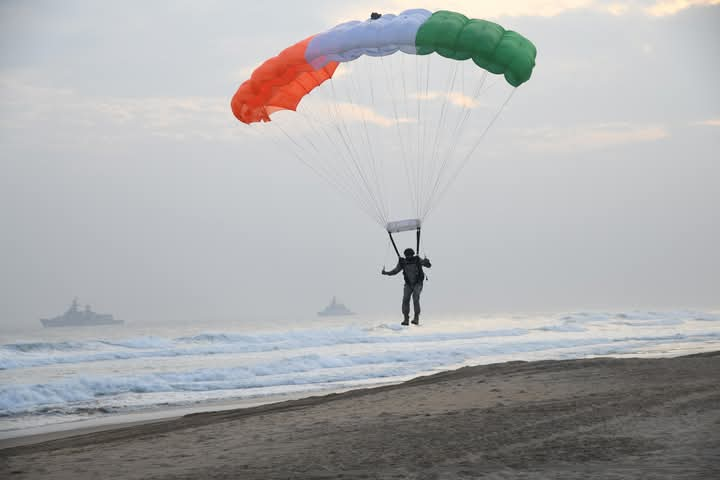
(380, 107)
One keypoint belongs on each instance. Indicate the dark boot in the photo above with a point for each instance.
(416, 319)
(405, 322)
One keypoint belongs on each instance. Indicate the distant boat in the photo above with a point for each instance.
(335, 309)
(74, 317)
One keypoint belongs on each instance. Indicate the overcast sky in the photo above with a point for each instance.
(126, 180)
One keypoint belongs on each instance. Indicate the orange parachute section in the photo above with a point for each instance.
(279, 84)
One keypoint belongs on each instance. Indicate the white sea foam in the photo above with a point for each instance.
(304, 369)
(205, 344)
(639, 318)
(141, 343)
(110, 375)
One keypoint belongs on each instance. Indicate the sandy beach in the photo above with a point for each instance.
(598, 418)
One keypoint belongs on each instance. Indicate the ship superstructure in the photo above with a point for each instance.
(335, 309)
(74, 317)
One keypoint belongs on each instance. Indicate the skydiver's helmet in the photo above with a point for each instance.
(409, 252)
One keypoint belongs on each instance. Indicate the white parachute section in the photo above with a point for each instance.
(403, 225)
(376, 38)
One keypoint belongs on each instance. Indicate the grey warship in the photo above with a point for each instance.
(74, 317)
(335, 309)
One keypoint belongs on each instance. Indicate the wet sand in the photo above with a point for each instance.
(599, 418)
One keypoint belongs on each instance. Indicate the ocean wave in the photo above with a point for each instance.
(226, 343)
(140, 343)
(35, 347)
(305, 369)
(309, 369)
(638, 318)
(36, 354)
(564, 328)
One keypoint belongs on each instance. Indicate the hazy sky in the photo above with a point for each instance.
(125, 179)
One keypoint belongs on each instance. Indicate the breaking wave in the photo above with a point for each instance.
(260, 364)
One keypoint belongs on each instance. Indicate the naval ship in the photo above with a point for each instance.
(74, 317)
(335, 309)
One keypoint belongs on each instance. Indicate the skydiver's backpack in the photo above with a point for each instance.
(412, 271)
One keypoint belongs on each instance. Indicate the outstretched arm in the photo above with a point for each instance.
(425, 263)
(395, 270)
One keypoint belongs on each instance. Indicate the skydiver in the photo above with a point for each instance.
(412, 268)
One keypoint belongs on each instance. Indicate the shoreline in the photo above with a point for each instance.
(58, 431)
(170, 420)
(598, 416)
(53, 431)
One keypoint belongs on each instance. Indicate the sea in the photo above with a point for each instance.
(66, 378)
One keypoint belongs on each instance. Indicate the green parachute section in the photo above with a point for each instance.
(500, 51)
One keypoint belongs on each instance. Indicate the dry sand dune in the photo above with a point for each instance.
(599, 418)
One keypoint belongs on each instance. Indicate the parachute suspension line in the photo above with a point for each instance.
(390, 80)
(430, 165)
(421, 153)
(381, 178)
(418, 80)
(353, 167)
(333, 113)
(344, 180)
(346, 138)
(482, 135)
(408, 130)
(366, 168)
(467, 111)
(434, 155)
(472, 151)
(451, 155)
(354, 138)
(412, 127)
(347, 158)
(381, 184)
(338, 124)
(368, 70)
(371, 154)
(344, 176)
(322, 175)
(461, 165)
(369, 144)
(328, 177)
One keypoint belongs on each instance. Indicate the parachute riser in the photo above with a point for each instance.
(392, 240)
(404, 226)
(417, 244)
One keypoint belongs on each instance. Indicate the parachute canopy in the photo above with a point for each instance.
(390, 132)
(281, 82)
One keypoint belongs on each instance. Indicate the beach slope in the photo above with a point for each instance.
(599, 418)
